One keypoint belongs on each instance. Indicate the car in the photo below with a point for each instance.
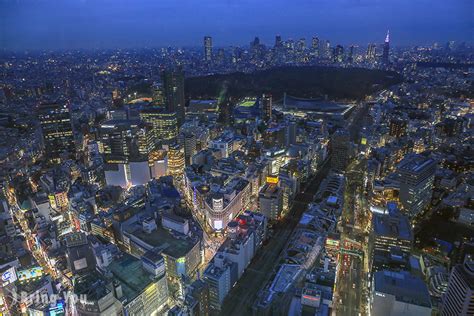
(353, 285)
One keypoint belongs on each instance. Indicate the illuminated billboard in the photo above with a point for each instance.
(32, 273)
(272, 180)
(8, 276)
(332, 243)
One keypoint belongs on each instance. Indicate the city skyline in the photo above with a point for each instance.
(75, 24)
(229, 158)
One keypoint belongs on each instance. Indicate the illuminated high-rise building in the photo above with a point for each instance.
(386, 48)
(339, 54)
(125, 140)
(340, 150)
(267, 107)
(301, 46)
(371, 52)
(270, 201)
(398, 127)
(315, 45)
(416, 182)
(56, 127)
(164, 124)
(158, 94)
(173, 87)
(208, 48)
(189, 143)
(459, 297)
(176, 161)
(327, 49)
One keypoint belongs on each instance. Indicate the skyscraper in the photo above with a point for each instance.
(371, 52)
(173, 87)
(339, 54)
(459, 298)
(327, 49)
(278, 42)
(56, 127)
(267, 107)
(176, 161)
(189, 144)
(208, 48)
(315, 45)
(340, 150)
(386, 48)
(301, 46)
(350, 57)
(164, 124)
(125, 140)
(416, 182)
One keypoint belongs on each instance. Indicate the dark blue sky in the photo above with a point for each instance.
(59, 24)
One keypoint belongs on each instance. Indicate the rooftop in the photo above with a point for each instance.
(404, 286)
(133, 278)
(163, 239)
(394, 226)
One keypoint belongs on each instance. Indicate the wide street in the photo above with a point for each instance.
(243, 295)
(351, 285)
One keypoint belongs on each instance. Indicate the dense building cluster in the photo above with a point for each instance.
(120, 194)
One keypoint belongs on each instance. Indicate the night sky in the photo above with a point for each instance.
(71, 24)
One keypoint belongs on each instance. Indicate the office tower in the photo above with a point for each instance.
(327, 49)
(350, 57)
(173, 86)
(158, 94)
(459, 298)
(220, 275)
(189, 144)
(386, 49)
(315, 45)
(399, 293)
(397, 127)
(301, 46)
(164, 124)
(126, 145)
(371, 52)
(340, 150)
(220, 56)
(278, 41)
(175, 161)
(339, 54)
(392, 236)
(290, 133)
(56, 127)
(208, 48)
(125, 140)
(267, 107)
(416, 182)
(270, 201)
(199, 291)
